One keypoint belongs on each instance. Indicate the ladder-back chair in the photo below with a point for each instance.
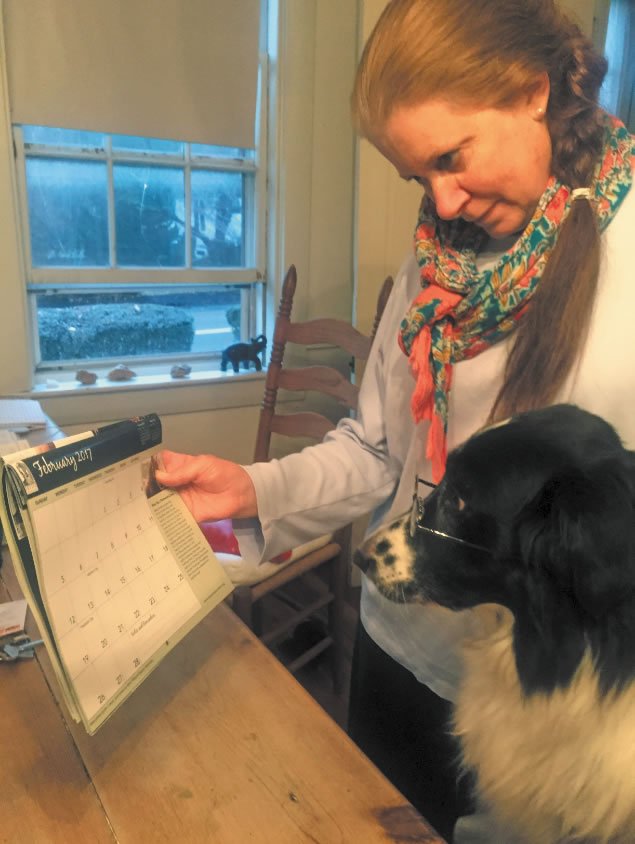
(333, 552)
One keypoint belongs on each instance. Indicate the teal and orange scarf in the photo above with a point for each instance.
(460, 311)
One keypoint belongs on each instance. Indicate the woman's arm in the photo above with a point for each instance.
(300, 496)
(315, 491)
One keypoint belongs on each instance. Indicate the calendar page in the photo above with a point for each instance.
(122, 569)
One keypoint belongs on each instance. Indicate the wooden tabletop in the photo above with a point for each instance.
(220, 744)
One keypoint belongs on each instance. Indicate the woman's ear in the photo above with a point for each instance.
(538, 96)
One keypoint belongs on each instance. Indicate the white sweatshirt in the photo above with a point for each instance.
(370, 463)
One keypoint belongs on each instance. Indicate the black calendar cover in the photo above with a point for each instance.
(115, 570)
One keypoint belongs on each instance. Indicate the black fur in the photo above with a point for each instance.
(551, 495)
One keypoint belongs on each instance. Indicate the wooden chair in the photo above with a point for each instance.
(334, 554)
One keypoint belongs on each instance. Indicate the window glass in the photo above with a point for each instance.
(45, 135)
(618, 91)
(149, 216)
(68, 212)
(217, 219)
(209, 151)
(156, 146)
(74, 326)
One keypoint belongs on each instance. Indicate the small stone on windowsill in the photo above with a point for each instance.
(86, 377)
(180, 370)
(121, 373)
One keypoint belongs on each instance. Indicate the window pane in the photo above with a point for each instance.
(63, 137)
(150, 145)
(87, 325)
(68, 212)
(217, 219)
(209, 151)
(149, 216)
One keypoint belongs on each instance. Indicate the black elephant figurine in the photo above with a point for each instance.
(245, 353)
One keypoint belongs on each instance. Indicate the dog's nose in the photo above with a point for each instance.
(361, 561)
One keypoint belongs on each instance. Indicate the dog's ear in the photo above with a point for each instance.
(579, 533)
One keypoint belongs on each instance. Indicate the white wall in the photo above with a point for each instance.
(323, 220)
(15, 370)
(582, 11)
(386, 208)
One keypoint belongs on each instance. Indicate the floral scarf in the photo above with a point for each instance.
(460, 311)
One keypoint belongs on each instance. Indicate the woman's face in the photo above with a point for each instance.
(487, 166)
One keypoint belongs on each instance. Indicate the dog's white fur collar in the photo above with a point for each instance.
(525, 750)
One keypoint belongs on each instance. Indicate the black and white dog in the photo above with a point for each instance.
(533, 526)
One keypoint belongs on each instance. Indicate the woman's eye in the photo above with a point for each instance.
(448, 160)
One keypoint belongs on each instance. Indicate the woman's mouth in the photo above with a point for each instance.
(483, 219)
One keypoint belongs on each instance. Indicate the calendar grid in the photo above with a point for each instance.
(111, 584)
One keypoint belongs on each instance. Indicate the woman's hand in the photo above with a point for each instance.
(210, 487)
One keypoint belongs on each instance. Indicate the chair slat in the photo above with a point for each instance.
(304, 424)
(278, 632)
(301, 566)
(334, 332)
(325, 379)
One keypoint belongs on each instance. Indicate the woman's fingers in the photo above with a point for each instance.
(178, 469)
(211, 488)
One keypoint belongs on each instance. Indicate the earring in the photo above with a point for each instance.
(539, 113)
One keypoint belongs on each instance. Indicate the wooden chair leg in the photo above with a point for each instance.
(247, 609)
(256, 618)
(242, 604)
(338, 576)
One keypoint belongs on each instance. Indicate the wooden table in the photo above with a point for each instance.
(219, 744)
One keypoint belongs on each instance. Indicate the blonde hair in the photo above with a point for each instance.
(490, 53)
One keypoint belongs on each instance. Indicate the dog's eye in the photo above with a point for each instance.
(454, 499)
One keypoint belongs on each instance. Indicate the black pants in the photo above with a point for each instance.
(402, 726)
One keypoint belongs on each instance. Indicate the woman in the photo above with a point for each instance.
(518, 295)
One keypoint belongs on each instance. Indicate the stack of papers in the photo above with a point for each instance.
(21, 414)
(10, 442)
(12, 617)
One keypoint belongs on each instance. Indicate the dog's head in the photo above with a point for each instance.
(536, 515)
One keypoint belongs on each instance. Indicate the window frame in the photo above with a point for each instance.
(114, 274)
(117, 279)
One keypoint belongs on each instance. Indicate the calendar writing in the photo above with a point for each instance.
(114, 589)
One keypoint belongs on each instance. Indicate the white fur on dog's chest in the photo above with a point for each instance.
(554, 765)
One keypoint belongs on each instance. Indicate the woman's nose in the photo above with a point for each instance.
(449, 197)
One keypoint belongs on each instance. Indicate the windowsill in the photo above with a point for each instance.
(70, 403)
(49, 386)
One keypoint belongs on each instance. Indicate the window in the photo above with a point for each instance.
(128, 241)
(142, 217)
(618, 91)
